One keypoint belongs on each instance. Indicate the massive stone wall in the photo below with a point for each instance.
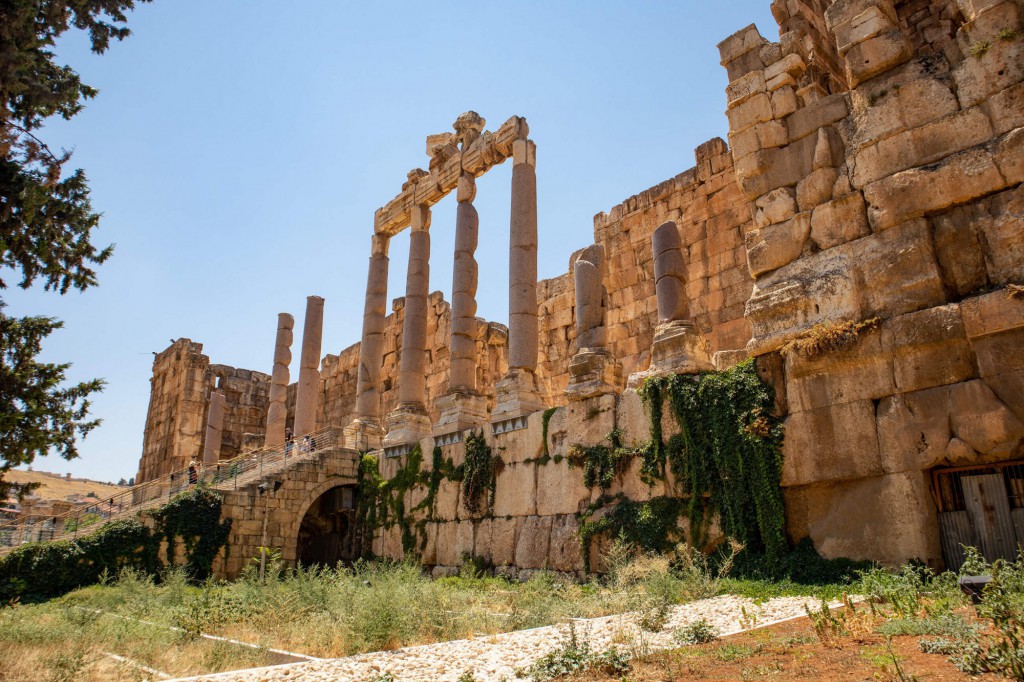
(175, 430)
(873, 175)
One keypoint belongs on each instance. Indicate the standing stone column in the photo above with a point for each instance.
(309, 363)
(679, 347)
(214, 429)
(517, 393)
(277, 413)
(365, 431)
(409, 421)
(592, 371)
(462, 373)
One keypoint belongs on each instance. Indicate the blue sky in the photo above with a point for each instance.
(238, 151)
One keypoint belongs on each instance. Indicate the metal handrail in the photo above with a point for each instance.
(229, 474)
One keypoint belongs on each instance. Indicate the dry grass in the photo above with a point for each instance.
(830, 337)
(56, 487)
(1015, 291)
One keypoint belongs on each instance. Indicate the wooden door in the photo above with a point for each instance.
(989, 507)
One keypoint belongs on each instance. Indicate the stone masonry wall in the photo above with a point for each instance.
(898, 199)
(175, 430)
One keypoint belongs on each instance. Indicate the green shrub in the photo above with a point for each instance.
(699, 632)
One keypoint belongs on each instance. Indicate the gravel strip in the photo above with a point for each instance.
(492, 658)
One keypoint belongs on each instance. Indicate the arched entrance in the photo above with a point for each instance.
(327, 532)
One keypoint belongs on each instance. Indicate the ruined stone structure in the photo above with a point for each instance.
(872, 179)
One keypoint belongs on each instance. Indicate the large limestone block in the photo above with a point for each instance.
(503, 540)
(899, 271)
(464, 540)
(864, 372)
(912, 193)
(778, 206)
(816, 188)
(813, 289)
(831, 444)
(774, 246)
(890, 519)
(999, 220)
(632, 417)
(991, 314)
(584, 422)
(929, 348)
(958, 247)
(447, 549)
(446, 502)
(1006, 109)
(875, 56)
(515, 491)
(533, 542)
(913, 430)
(994, 63)
(565, 551)
(983, 421)
(839, 221)
(560, 489)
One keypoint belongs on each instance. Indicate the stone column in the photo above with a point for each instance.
(409, 421)
(366, 432)
(309, 363)
(592, 371)
(214, 429)
(462, 407)
(679, 347)
(517, 393)
(277, 413)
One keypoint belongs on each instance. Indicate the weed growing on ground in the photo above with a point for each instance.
(574, 655)
(698, 632)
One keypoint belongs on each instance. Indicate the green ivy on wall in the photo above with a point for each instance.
(42, 570)
(726, 461)
(480, 473)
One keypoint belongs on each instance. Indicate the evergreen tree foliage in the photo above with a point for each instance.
(46, 218)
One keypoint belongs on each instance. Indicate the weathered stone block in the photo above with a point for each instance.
(876, 55)
(533, 542)
(913, 430)
(831, 444)
(744, 88)
(503, 540)
(839, 221)
(756, 109)
(464, 540)
(560, 489)
(816, 188)
(983, 421)
(913, 193)
(447, 552)
(565, 550)
(929, 348)
(586, 422)
(899, 271)
(777, 245)
(843, 520)
(863, 372)
(515, 491)
(778, 206)
(991, 314)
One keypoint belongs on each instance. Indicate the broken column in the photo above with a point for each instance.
(309, 364)
(462, 407)
(592, 370)
(214, 429)
(366, 432)
(517, 391)
(679, 347)
(277, 413)
(409, 421)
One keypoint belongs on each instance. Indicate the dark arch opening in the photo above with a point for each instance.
(327, 531)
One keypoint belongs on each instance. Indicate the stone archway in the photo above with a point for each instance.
(324, 532)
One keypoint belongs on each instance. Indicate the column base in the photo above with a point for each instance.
(364, 435)
(516, 398)
(593, 372)
(460, 410)
(407, 425)
(679, 348)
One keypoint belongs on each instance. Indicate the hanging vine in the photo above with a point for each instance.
(480, 473)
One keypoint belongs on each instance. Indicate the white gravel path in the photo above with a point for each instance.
(492, 658)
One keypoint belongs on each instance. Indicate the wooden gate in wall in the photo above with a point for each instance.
(980, 506)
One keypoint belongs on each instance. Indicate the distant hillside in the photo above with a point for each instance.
(57, 487)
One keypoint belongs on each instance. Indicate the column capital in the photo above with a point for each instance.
(420, 218)
(379, 244)
(524, 151)
(467, 189)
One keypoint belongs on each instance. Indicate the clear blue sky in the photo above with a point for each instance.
(239, 148)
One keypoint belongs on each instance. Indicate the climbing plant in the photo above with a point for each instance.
(726, 460)
(42, 570)
(193, 516)
(479, 473)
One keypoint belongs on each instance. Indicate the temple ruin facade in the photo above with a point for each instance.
(872, 178)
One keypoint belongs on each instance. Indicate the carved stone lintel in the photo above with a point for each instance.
(593, 372)
(460, 410)
(407, 424)
(679, 348)
(517, 396)
(364, 435)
